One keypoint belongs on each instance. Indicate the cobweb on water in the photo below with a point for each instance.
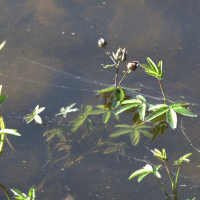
(72, 79)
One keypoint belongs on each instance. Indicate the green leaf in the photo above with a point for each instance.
(126, 107)
(156, 168)
(131, 101)
(192, 198)
(128, 88)
(141, 98)
(38, 119)
(2, 98)
(158, 106)
(116, 116)
(121, 132)
(146, 67)
(157, 174)
(32, 194)
(107, 66)
(96, 112)
(152, 73)
(142, 111)
(109, 89)
(184, 111)
(119, 94)
(142, 176)
(9, 132)
(152, 64)
(89, 125)
(133, 135)
(106, 117)
(18, 193)
(146, 169)
(182, 159)
(172, 118)
(160, 67)
(179, 104)
(156, 113)
(123, 126)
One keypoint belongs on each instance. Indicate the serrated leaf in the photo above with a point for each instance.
(126, 107)
(119, 94)
(183, 111)
(106, 117)
(109, 89)
(142, 111)
(172, 118)
(156, 113)
(153, 65)
(131, 101)
(121, 132)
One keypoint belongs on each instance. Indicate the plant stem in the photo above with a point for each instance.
(172, 182)
(162, 90)
(162, 188)
(176, 181)
(116, 75)
(123, 78)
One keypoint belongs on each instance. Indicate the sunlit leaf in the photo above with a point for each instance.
(96, 112)
(119, 94)
(152, 73)
(152, 64)
(109, 89)
(2, 98)
(141, 98)
(142, 111)
(156, 113)
(146, 67)
(32, 194)
(182, 159)
(3, 44)
(131, 101)
(123, 126)
(38, 119)
(158, 106)
(183, 111)
(172, 118)
(18, 193)
(126, 107)
(10, 132)
(179, 104)
(143, 175)
(160, 67)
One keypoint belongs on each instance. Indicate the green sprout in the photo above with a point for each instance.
(22, 196)
(64, 111)
(149, 169)
(34, 115)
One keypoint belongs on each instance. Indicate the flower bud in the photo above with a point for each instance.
(124, 55)
(102, 42)
(133, 65)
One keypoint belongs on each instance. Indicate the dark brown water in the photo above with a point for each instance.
(51, 59)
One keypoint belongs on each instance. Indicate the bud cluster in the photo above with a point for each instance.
(121, 54)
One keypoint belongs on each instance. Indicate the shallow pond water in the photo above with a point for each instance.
(51, 59)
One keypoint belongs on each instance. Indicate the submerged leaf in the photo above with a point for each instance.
(127, 107)
(106, 117)
(157, 113)
(119, 94)
(121, 132)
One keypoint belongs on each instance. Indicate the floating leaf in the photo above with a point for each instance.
(142, 111)
(172, 118)
(156, 113)
(183, 111)
(64, 111)
(126, 107)
(109, 89)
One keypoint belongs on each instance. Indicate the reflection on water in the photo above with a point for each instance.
(42, 66)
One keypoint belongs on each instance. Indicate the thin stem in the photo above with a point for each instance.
(116, 75)
(123, 77)
(172, 182)
(176, 181)
(162, 188)
(162, 90)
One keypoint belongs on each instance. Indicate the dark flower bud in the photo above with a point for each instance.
(102, 42)
(133, 65)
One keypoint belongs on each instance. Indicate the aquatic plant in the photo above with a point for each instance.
(34, 115)
(22, 196)
(148, 169)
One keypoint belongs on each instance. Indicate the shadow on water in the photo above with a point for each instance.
(44, 63)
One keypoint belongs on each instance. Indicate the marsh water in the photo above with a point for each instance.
(51, 59)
